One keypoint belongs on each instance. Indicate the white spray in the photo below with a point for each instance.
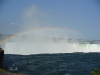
(45, 41)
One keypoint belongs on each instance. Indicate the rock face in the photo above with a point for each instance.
(1, 57)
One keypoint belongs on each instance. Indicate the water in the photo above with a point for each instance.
(42, 56)
(53, 64)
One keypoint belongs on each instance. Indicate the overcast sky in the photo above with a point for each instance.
(82, 16)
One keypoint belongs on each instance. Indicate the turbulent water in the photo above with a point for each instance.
(53, 64)
(31, 45)
(51, 47)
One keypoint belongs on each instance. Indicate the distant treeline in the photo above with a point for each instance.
(3, 36)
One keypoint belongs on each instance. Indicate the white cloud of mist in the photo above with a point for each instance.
(33, 18)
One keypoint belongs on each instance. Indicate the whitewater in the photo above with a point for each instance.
(42, 46)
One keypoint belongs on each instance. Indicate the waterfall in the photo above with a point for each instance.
(26, 48)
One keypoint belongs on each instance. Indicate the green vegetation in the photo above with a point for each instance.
(1, 69)
(96, 71)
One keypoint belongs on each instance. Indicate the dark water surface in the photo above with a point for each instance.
(53, 64)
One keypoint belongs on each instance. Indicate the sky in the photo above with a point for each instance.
(81, 16)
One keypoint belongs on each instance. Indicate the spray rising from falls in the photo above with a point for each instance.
(37, 43)
(37, 48)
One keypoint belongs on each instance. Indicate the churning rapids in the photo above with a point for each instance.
(40, 45)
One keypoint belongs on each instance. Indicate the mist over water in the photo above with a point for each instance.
(37, 48)
(38, 44)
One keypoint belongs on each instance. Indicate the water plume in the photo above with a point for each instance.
(37, 35)
(38, 41)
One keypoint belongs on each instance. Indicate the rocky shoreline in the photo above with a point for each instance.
(9, 73)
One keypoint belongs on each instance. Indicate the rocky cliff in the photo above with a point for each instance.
(1, 57)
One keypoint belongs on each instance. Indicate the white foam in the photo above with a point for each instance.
(26, 48)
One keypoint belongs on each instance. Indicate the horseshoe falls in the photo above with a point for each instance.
(48, 46)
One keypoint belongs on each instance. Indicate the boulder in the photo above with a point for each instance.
(1, 57)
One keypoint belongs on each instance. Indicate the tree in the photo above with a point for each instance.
(96, 71)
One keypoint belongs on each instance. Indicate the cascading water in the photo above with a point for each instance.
(36, 45)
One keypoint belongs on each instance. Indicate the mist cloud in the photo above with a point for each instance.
(33, 17)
